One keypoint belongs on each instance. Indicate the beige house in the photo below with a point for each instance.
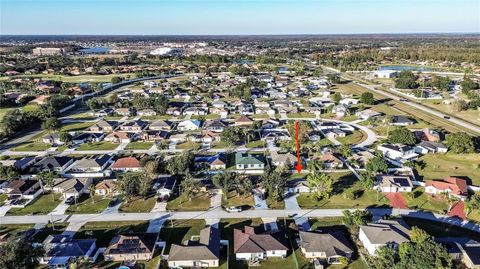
(202, 253)
(328, 246)
(131, 247)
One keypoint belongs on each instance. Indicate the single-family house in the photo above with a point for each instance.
(215, 162)
(401, 121)
(201, 254)
(154, 135)
(73, 187)
(428, 135)
(214, 125)
(87, 137)
(393, 183)
(189, 125)
(53, 163)
(103, 112)
(246, 161)
(133, 126)
(52, 139)
(282, 159)
(146, 112)
(367, 114)
(61, 250)
(93, 164)
(164, 185)
(330, 246)
(329, 159)
(121, 137)
(451, 186)
(22, 188)
(131, 247)
(243, 121)
(124, 111)
(390, 233)
(126, 164)
(425, 147)
(106, 187)
(104, 126)
(250, 246)
(397, 152)
(160, 125)
(274, 135)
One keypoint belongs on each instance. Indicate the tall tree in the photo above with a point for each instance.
(19, 253)
(321, 184)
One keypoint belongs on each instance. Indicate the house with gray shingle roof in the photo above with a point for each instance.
(250, 246)
(328, 246)
(390, 233)
(202, 253)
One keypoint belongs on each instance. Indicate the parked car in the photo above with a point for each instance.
(446, 117)
(113, 202)
(70, 200)
(233, 209)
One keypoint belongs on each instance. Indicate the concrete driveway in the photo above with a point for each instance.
(113, 209)
(292, 204)
(216, 199)
(260, 203)
(159, 207)
(4, 209)
(60, 209)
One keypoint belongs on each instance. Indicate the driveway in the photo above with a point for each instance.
(396, 200)
(260, 203)
(60, 209)
(155, 225)
(292, 204)
(72, 228)
(216, 199)
(113, 209)
(159, 207)
(4, 209)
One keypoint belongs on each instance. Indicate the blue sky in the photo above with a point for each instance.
(170, 17)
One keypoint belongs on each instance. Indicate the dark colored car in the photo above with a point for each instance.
(70, 200)
(446, 117)
(113, 202)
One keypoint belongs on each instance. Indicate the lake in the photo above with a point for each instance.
(404, 68)
(94, 50)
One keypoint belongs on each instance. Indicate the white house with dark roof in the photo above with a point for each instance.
(390, 233)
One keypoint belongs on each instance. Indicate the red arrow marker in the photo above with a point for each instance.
(299, 164)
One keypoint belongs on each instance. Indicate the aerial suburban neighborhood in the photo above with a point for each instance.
(296, 151)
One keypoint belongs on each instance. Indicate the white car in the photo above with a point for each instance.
(233, 209)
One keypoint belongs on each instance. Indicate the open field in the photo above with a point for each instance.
(138, 204)
(86, 206)
(183, 203)
(418, 199)
(471, 115)
(41, 205)
(103, 145)
(73, 79)
(442, 165)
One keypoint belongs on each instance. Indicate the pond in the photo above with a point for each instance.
(94, 50)
(404, 68)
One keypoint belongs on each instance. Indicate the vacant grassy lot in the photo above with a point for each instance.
(73, 79)
(77, 126)
(183, 203)
(189, 145)
(354, 138)
(138, 204)
(255, 144)
(418, 199)
(32, 146)
(300, 115)
(443, 165)
(85, 205)
(139, 145)
(177, 231)
(42, 205)
(470, 115)
(343, 183)
(243, 201)
(102, 145)
(105, 231)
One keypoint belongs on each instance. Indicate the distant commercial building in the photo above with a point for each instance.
(48, 51)
(167, 51)
(385, 74)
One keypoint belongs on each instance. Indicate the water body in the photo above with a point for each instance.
(404, 68)
(94, 50)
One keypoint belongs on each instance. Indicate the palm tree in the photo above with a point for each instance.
(91, 190)
(190, 186)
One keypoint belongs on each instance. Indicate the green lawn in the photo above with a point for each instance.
(105, 231)
(138, 204)
(418, 199)
(260, 116)
(139, 145)
(85, 205)
(72, 79)
(256, 144)
(440, 166)
(273, 204)
(188, 145)
(183, 203)
(77, 126)
(41, 205)
(245, 202)
(301, 115)
(102, 145)
(177, 231)
(344, 182)
(3, 198)
(353, 138)
(32, 146)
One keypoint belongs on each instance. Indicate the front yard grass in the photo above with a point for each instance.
(102, 145)
(3, 198)
(256, 144)
(32, 146)
(344, 182)
(105, 231)
(138, 204)
(301, 115)
(354, 138)
(41, 205)
(178, 231)
(76, 126)
(273, 204)
(200, 202)
(85, 205)
(139, 145)
(439, 166)
(243, 201)
(188, 145)
(418, 199)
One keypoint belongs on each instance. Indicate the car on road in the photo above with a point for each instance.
(403, 100)
(70, 200)
(233, 209)
(446, 117)
(113, 202)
